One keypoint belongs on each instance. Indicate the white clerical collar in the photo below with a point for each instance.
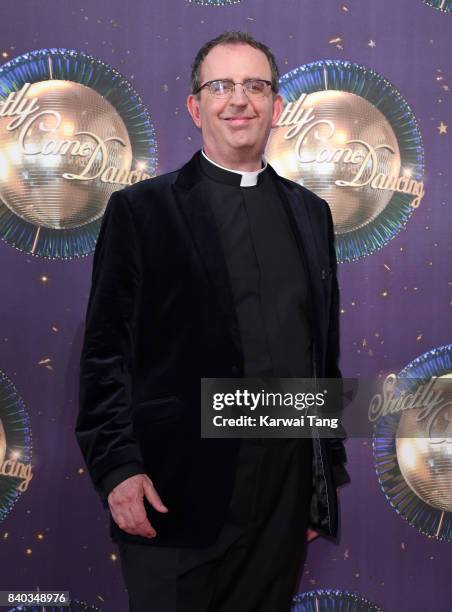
(249, 179)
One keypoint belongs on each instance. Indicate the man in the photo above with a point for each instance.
(221, 269)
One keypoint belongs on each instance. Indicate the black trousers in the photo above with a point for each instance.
(256, 561)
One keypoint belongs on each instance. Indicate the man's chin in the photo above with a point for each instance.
(244, 144)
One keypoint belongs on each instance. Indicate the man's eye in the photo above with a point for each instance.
(221, 86)
(255, 86)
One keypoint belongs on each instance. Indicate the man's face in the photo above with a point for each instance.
(235, 127)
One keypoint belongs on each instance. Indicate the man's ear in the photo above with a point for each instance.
(194, 109)
(278, 106)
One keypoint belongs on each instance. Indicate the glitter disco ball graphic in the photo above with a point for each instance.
(15, 446)
(331, 600)
(49, 196)
(426, 461)
(72, 131)
(413, 456)
(348, 135)
(445, 6)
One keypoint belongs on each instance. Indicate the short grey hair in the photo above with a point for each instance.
(233, 38)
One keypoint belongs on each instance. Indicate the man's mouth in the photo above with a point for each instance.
(238, 120)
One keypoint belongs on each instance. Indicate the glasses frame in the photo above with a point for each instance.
(208, 83)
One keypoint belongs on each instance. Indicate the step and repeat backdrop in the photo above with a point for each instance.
(92, 98)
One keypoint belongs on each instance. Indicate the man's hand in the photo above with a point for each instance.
(311, 535)
(127, 507)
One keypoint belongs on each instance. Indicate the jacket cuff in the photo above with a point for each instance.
(340, 475)
(115, 477)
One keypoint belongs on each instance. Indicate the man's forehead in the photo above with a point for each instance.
(233, 57)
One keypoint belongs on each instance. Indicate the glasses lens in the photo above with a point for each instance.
(255, 87)
(221, 88)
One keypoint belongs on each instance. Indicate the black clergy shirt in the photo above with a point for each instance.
(267, 276)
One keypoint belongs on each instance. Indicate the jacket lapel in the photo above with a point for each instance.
(191, 196)
(300, 220)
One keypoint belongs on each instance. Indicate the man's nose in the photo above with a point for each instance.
(238, 96)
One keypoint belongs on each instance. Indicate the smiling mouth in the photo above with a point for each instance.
(238, 119)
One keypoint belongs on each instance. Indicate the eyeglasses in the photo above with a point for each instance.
(223, 88)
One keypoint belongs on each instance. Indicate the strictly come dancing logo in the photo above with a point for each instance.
(412, 442)
(72, 131)
(16, 469)
(348, 135)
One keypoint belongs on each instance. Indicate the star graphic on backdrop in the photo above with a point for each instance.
(371, 43)
(442, 127)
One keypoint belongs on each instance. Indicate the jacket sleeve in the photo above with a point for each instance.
(104, 428)
(336, 449)
(115, 477)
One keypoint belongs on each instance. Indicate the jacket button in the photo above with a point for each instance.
(234, 370)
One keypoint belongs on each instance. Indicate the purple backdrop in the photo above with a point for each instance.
(380, 556)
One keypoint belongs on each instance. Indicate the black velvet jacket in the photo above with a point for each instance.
(160, 317)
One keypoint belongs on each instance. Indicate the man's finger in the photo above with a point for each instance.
(122, 516)
(141, 521)
(311, 534)
(145, 532)
(126, 519)
(152, 496)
